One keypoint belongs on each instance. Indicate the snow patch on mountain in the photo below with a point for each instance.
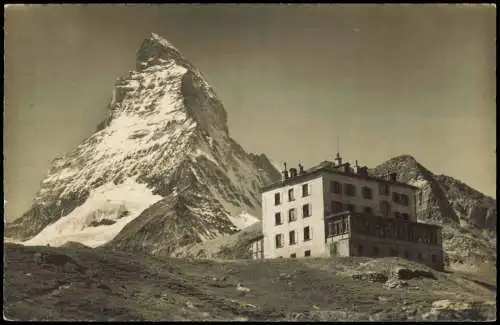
(243, 220)
(210, 142)
(12, 241)
(162, 41)
(418, 182)
(200, 152)
(105, 202)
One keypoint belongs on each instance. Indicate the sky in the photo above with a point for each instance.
(386, 80)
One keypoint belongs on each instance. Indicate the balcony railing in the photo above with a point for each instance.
(370, 225)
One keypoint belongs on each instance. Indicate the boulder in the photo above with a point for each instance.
(395, 283)
(460, 310)
(403, 273)
(370, 276)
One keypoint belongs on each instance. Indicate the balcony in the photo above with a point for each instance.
(347, 223)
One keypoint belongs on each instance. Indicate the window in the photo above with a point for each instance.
(351, 207)
(293, 255)
(291, 197)
(292, 237)
(434, 238)
(404, 199)
(350, 190)
(307, 253)
(367, 193)
(277, 199)
(407, 255)
(277, 218)
(335, 187)
(305, 190)
(306, 211)
(397, 215)
(336, 206)
(398, 233)
(385, 208)
(383, 189)
(420, 257)
(291, 215)
(405, 216)
(434, 258)
(360, 250)
(368, 210)
(376, 251)
(411, 236)
(279, 240)
(395, 197)
(307, 233)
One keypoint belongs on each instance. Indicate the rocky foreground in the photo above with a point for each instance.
(78, 283)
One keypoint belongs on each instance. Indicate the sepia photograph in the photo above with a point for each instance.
(250, 162)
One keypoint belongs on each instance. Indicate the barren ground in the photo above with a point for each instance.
(78, 283)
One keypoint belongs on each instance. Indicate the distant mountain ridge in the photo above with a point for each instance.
(468, 217)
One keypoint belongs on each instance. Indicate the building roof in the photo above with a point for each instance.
(329, 167)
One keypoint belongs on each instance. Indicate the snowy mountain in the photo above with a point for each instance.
(467, 216)
(161, 159)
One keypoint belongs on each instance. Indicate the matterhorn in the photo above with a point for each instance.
(160, 171)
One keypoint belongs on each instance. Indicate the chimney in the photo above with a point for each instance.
(338, 159)
(301, 169)
(393, 177)
(285, 173)
(357, 168)
(347, 168)
(293, 172)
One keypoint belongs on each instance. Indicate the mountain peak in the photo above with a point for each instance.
(155, 50)
(406, 158)
(153, 37)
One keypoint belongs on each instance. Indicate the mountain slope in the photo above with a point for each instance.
(468, 217)
(176, 221)
(471, 206)
(235, 246)
(165, 133)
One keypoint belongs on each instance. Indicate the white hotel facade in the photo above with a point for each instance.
(334, 209)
